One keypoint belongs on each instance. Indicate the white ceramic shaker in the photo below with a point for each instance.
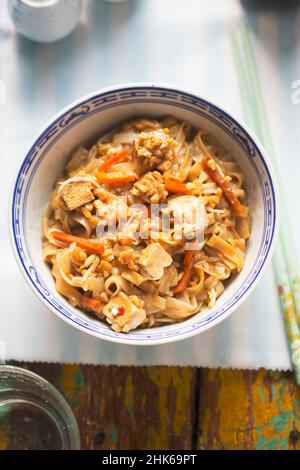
(45, 20)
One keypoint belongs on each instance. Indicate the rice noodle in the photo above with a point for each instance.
(144, 282)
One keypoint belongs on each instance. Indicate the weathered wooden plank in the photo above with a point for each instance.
(248, 410)
(127, 407)
(168, 408)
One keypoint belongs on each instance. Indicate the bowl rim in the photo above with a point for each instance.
(275, 226)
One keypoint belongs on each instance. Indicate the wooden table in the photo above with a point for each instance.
(178, 407)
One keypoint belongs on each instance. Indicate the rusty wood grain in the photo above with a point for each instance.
(248, 410)
(179, 408)
(127, 407)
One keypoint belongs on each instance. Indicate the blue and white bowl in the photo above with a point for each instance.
(88, 118)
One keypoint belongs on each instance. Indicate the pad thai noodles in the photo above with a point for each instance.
(107, 255)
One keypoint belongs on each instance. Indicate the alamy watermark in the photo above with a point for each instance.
(167, 222)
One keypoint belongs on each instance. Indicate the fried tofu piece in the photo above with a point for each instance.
(76, 195)
(125, 312)
(153, 260)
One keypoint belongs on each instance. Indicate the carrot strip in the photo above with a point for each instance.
(175, 186)
(91, 304)
(87, 245)
(114, 178)
(117, 157)
(228, 192)
(188, 268)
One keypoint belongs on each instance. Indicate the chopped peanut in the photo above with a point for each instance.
(153, 149)
(151, 188)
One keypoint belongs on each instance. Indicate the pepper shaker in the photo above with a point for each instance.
(45, 20)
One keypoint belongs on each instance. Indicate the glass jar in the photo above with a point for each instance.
(33, 414)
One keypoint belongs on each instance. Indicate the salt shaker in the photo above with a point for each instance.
(45, 20)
